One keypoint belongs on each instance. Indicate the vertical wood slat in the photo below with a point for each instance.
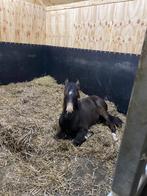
(116, 27)
(22, 22)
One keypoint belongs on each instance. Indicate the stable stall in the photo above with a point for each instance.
(42, 42)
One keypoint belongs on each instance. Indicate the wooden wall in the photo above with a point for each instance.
(117, 27)
(52, 2)
(106, 25)
(22, 22)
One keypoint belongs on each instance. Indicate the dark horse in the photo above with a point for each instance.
(79, 114)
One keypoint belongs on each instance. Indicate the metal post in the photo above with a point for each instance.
(131, 163)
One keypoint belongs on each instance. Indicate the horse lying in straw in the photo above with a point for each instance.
(79, 114)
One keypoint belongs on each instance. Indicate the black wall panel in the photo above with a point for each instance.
(109, 75)
(20, 62)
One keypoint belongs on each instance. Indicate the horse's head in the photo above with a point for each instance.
(71, 95)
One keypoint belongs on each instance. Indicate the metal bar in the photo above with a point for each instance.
(130, 164)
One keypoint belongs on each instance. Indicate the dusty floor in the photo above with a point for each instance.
(32, 162)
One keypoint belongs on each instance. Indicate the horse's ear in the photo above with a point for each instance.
(78, 84)
(66, 82)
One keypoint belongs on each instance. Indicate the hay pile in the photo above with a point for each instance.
(32, 162)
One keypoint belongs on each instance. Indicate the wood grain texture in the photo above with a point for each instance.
(52, 2)
(22, 22)
(116, 27)
(85, 3)
(46, 3)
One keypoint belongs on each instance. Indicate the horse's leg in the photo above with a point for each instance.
(80, 137)
(61, 134)
(110, 124)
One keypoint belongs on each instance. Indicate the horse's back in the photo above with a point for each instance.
(94, 101)
(88, 111)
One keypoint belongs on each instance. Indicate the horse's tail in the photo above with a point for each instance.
(116, 120)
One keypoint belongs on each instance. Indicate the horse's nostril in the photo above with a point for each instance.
(69, 108)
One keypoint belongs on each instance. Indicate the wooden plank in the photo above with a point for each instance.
(83, 4)
(117, 27)
(36, 2)
(131, 164)
(22, 22)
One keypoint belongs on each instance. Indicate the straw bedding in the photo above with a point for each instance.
(33, 163)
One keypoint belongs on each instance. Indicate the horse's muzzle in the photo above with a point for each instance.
(69, 107)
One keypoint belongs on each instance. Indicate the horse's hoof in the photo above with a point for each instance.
(76, 143)
(56, 137)
(60, 135)
(115, 138)
(89, 134)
